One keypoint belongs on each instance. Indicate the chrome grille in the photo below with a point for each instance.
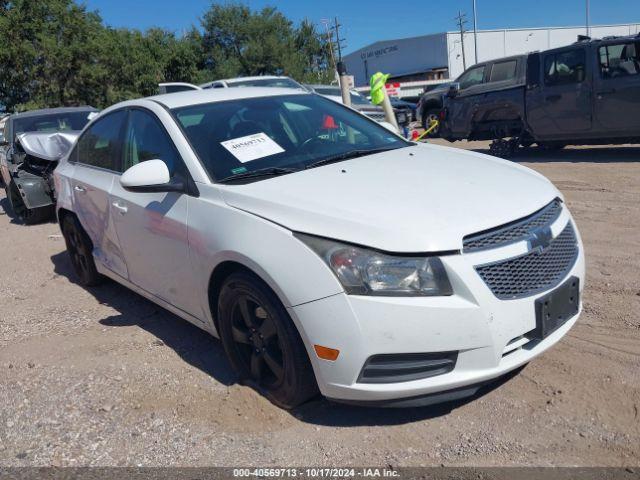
(512, 232)
(532, 272)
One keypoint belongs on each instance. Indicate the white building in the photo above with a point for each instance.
(437, 56)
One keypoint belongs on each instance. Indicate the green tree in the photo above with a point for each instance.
(56, 53)
(45, 45)
(238, 41)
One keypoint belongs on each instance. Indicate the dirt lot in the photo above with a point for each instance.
(103, 377)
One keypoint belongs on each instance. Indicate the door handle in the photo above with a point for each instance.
(553, 98)
(121, 208)
(80, 188)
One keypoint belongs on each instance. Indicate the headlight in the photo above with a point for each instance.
(366, 272)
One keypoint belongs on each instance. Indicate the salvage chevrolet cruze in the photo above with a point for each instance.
(326, 252)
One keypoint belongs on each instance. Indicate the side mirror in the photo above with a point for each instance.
(150, 176)
(453, 91)
(389, 127)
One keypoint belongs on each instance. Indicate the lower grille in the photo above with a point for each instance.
(405, 367)
(532, 272)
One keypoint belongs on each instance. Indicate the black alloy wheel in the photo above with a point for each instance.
(262, 344)
(256, 337)
(80, 252)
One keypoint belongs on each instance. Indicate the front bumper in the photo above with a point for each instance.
(473, 322)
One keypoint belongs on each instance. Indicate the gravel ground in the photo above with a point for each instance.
(104, 377)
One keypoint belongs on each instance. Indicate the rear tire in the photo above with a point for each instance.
(262, 343)
(80, 251)
(503, 148)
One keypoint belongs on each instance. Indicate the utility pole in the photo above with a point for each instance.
(475, 30)
(462, 20)
(325, 22)
(587, 12)
(341, 67)
(338, 39)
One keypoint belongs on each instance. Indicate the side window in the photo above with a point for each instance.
(503, 71)
(146, 139)
(564, 68)
(620, 60)
(101, 144)
(472, 77)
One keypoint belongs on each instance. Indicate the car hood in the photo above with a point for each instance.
(423, 198)
(48, 146)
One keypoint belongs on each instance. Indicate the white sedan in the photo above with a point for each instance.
(326, 252)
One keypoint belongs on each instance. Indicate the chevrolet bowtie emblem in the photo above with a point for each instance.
(540, 239)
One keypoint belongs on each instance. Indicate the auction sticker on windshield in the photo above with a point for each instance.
(252, 147)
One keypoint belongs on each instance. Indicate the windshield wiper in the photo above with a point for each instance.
(348, 155)
(261, 172)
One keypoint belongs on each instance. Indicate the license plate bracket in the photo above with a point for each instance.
(556, 307)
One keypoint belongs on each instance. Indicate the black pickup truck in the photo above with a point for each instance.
(587, 93)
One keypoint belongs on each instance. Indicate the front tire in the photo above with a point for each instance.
(262, 343)
(80, 251)
(427, 117)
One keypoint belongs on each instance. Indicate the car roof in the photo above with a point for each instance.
(50, 111)
(257, 77)
(197, 97)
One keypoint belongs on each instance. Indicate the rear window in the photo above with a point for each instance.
(266, 82)
(564, 67)
(503, 71)
(620, 60)
(55, 122)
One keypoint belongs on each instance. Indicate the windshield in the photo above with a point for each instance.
(265, 82)
(54, 122)
(291, 131)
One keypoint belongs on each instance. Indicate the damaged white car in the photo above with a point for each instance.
(32, 144)
(326, 252)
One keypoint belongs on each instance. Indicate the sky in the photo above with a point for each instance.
(364, 22)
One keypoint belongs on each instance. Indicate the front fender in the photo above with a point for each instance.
(219, 233)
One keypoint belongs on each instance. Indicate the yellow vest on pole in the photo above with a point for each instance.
(377, 83)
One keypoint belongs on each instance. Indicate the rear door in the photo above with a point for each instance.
(97, 162)
(561, 106)
(152, 227)
(617, 88)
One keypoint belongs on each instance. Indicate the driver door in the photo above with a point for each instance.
(152, 227)
(461, 107)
